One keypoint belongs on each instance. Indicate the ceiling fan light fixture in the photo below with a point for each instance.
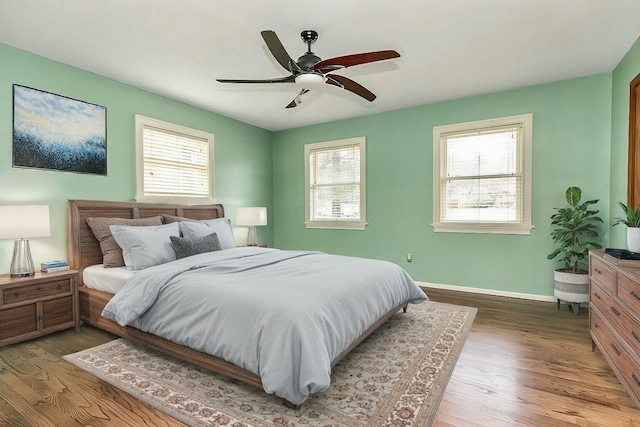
(310, 80)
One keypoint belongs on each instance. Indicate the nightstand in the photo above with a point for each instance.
(38, 305)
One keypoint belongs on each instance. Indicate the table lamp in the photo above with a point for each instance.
(251, 217)
(20, 223)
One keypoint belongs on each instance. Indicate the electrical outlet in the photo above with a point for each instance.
(409, 258)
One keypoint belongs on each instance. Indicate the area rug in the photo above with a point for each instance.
(396, 377)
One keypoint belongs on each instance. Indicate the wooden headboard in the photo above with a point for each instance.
(83, 249)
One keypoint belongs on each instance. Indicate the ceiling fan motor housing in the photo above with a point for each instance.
(307, 60)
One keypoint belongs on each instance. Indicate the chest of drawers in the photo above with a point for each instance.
(34, 306)
(614, 316)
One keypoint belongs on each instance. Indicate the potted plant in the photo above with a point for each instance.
(576, 231)
(632, 221)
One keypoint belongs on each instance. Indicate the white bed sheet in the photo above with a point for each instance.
(106, 279)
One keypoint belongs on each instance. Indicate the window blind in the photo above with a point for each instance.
(175, 164)
(334, 192)
(482, 175)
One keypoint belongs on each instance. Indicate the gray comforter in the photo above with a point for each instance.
(283, 315)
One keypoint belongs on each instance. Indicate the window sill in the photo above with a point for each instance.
(483, 229)
(337, 225)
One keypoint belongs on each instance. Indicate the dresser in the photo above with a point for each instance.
(38, 305)
(614, 316)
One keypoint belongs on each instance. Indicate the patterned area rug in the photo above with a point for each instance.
(396, 377)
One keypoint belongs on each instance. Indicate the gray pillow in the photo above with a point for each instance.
(111, 252)
(144, 247)
(220, 226)
(185, 247)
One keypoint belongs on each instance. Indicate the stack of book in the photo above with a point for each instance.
(51, 266)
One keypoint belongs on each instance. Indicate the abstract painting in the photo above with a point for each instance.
(59, 133)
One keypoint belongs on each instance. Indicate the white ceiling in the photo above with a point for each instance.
(449, 48)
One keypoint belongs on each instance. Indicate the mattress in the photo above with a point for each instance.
(106, 279)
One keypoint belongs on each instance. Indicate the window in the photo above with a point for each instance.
(173, 163)
(335, 184)
(482, 176)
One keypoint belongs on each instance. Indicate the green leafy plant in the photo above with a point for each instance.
(576, 231)
(632, 216)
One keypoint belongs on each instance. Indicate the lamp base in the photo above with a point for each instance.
(21, 263)
(252, 236)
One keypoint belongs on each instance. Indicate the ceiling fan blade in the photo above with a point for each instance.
(297, 100)
(289, 79)
(356, 59)
(278, 51)
(350, 85)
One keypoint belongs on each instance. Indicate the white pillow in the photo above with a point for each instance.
(144, 247)
(220, 226)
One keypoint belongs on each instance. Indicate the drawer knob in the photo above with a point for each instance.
(636, 336)
(38, 289)
(635, 295)
(635, 379)
(597, 271)
(616, 312)
(595, 294)
(16, 295)
(59, 287)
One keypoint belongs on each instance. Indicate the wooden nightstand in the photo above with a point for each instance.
(34, 306)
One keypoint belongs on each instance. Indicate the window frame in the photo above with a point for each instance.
(525, 226)
(140, 123)
(337, 224)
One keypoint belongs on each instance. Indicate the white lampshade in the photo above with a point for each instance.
(23, 222)
(310, 80)
(251, 217)
(20, 223)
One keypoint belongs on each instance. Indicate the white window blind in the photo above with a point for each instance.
(176, 162)
(483, 177)
(335, 184)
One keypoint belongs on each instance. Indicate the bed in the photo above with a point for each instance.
(266, 265)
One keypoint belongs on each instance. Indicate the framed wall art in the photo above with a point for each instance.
(55, 132)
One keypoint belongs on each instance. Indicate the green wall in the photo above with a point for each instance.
(571, 146)
(243, 158)
(580, 138)
(626, 71)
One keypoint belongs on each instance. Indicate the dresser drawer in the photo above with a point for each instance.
(599, 298)
(627, 369)
(602, 273)
(627, 327)
(628, 293)
(19, 294)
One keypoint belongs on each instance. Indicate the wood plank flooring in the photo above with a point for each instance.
(524, 364)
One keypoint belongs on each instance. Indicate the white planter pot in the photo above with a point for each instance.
(572, 288)
(633, 239)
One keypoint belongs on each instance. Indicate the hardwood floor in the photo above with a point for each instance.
(524, 364)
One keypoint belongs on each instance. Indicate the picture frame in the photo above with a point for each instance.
(55, 132)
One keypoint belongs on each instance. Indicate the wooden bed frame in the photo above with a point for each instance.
(83, 250)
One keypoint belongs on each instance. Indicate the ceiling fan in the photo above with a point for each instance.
(310, 72)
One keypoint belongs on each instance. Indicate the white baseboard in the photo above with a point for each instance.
(534, 297)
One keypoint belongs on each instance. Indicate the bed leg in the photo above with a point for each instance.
(291, 405)
(404, 309)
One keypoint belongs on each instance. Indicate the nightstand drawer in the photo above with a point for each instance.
(57, 311)
(35, 291)
(18, 321)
